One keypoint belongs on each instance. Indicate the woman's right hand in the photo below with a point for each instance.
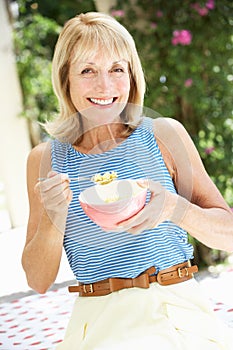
(54, 192)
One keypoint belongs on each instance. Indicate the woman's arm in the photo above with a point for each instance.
(198, 208)
(48, 202)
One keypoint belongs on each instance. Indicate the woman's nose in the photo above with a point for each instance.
(104, 80)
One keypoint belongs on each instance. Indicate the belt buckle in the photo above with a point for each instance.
(88, 291)
(180, 274)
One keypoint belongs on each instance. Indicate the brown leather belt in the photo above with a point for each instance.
(172, 275)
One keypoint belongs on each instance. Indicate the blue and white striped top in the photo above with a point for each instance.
(94, 254)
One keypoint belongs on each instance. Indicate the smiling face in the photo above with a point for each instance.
(99, 86)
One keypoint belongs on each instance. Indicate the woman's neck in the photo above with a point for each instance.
(101, 139)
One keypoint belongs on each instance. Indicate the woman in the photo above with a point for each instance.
(136, 285)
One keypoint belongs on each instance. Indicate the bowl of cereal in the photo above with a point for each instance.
(113, 202)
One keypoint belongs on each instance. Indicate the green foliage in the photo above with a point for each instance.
(60, 10)
(191, 82)
(34, 42)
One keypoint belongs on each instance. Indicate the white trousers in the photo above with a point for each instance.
(175, 317)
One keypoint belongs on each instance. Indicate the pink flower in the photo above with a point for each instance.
(159, 14)
(153, 25)
(118, 13)
(175, 39)
(203, 11)
(183, 37)
(188, 82)
(209, 150)
(210, 4)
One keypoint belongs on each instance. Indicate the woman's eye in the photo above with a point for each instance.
(118, 70)
(87, 71)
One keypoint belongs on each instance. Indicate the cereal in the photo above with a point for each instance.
(105, 178)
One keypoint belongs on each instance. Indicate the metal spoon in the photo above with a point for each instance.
(82, 178)
(79, 178)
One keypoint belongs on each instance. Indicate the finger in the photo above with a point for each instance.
(37, 188)
(144, 183)
(70, 196)
(137, 219)
(52, 173)
(53, 181)
(154, 187)
(56, 194)
(48, 196)
(59, 201)
(146, 219)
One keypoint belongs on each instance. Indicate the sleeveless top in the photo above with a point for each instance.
(94, 254)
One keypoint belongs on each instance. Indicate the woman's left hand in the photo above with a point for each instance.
(160, 208)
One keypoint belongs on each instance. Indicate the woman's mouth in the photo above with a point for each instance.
(101, 101)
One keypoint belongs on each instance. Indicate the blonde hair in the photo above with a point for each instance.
(86, 32)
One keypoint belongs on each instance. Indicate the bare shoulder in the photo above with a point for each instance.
(38, 151)
(165, 127)
(186, 161)
(162, 121)
(173, 135)
(39, 160)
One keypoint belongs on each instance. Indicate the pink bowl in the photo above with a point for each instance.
(109, 204)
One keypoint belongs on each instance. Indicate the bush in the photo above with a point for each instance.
(186, 52)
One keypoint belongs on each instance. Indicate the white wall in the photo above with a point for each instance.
(14, 136)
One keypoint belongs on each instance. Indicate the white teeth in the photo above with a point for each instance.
(101, 102)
